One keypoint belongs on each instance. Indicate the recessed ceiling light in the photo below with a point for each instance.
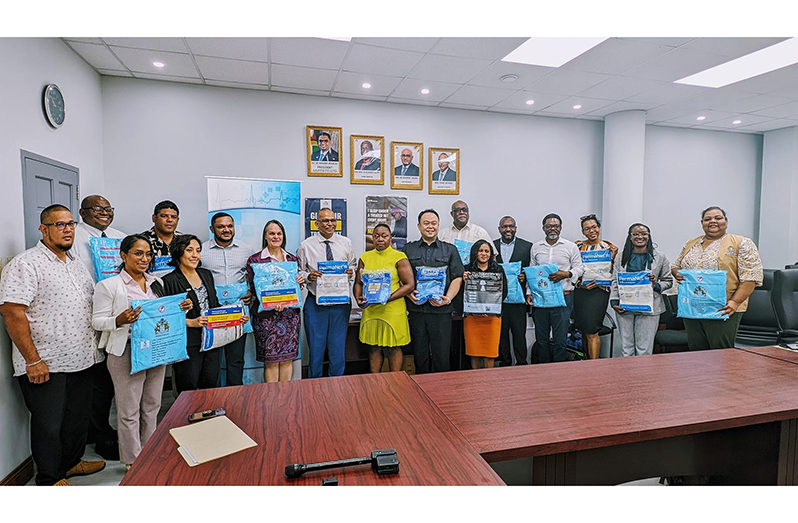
(700, 118)
(551, 52)
(366, 85)
(577, 106)
(425, 91)
(737, 122)
(509, 78)
(530, 102)
(754, 64)
(159, 64)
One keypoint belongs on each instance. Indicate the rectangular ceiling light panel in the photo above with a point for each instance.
(759, 62)
(551, 52)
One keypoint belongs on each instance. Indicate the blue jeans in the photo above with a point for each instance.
(556, 321)
(326, 327)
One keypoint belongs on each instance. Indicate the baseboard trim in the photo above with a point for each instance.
(19, 476)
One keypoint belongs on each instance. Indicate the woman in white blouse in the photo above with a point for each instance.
(138, 396)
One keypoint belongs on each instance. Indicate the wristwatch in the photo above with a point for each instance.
(570, 274)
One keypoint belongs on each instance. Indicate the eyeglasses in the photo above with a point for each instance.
(591, 228)
(558, 226)
(62, 225)
(99, 210)
(639, 234)
(142, 254)
(328, 220)
(460, 209)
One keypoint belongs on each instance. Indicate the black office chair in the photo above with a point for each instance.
(673, 338)
(608, 329)
(760, 324)
(793, 266)
(785, 302)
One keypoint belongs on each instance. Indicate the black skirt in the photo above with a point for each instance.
(589, 308)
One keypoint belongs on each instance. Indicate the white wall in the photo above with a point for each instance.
(30, 65)
(687, 171)
(160, 139)
(778, 231)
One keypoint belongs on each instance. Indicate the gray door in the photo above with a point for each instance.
(45, 182)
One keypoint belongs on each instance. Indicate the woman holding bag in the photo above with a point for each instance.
(482, 331)
(138, 396)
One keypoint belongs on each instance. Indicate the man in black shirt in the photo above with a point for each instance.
(431, 322)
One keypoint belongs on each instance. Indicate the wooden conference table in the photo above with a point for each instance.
(728, 413)
(318, 420)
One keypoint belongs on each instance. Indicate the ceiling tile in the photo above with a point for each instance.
(448, 68)
(85, 40)
(787, 92)
(352, 83)
(487, 48)
(491, 77)
(227, 70)
(410, 88)
(753, 103)
(421, 45)
(154, 44)
(588, 105)
(98, 56)
(517, 102)
(786, 77)
(140, 60)
(712, 98)
(667, 93)
(615, 56)
(237, 85)
(747, 119)
(670, 42)
(303, 77)
(667, 112)
(309, 52)
(168, 78)
(731, 47)
(772, 125)
(295, 90)
(353, 96)
(406, 101)
(620, 88)
(779, 111)
(380, 60)
(251, 49)
(474, 95)
(567, 81)
(676, 64)
(108, 72)
(709, 117)
(464, 106)
(618, 107)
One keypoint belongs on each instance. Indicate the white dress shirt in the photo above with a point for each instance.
(227, 264)
(470, 232)
(313, 250)
(565, 254)
(81, 247)
(507, 249)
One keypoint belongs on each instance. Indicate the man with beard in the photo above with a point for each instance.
(509, 248)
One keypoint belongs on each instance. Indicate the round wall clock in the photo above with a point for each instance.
(54, 106)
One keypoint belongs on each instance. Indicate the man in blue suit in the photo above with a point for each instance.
(408, 168)
(325, 153)
(444, 174)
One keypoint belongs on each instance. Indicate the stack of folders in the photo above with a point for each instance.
(210, 439)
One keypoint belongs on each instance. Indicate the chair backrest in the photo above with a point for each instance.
(761, 312)
(785, 298)
(793, 266)
(669, 317)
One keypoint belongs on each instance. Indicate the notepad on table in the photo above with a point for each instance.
(210, 439)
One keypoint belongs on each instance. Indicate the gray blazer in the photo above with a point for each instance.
(661, 267)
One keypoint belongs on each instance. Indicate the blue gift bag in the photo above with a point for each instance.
(598, 267)
(105, 256)
(231, 295)
(158, 337)
(635, 291)
(376, 286)
(515, 294)
(430, 283)
(545, 293)
(464, 248)
(275, 284)
(332, 288)
(701, 294)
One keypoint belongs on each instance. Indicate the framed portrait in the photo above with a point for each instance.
(444, 171)
(366, 159)
(324, 151)
(407, 165)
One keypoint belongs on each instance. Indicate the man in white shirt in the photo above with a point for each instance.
(461, 228)
(226, 258)
(325, 325)
(46, 302)
(98, 215)
(564, 254)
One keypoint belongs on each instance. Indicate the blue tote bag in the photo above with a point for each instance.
(515, 294)
(158, 337)
(701, 294)
(545, 293)
(231, 295)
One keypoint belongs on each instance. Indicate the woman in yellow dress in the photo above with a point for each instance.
(384, 328)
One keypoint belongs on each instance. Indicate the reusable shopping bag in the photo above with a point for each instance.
(545, 293)
(158, 337)
(701, 294)
(230, 295)
(105, 256)
(464, 248)
(515, 294)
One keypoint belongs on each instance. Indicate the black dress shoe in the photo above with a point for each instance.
(108, 450)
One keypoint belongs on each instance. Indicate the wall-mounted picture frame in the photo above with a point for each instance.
(444, 170)
(366, 159)
(324, 150)
(407, 165)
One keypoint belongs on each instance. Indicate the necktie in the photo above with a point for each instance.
(404, 170)
(104, 235)
(321, 158)
(329, 250)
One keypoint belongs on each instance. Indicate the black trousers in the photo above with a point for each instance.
(199, 371)
(102, 395)
(431, 336)
(234, 359)
(513, 320)
(59, 421)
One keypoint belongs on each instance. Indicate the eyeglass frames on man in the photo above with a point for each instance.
(62, 225)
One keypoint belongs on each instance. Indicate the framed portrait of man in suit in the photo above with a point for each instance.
(444, 171)
(324, 151)
(366, 159)
(407, 165)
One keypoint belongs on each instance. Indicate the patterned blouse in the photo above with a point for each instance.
(749, 264)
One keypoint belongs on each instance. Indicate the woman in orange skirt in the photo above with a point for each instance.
(482, 331)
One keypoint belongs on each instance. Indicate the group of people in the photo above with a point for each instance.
(71, 334)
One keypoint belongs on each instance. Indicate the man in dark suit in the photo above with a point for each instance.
(370, 159)
(512, 249)
(408, 168)
(325, 153)
(444, 174)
